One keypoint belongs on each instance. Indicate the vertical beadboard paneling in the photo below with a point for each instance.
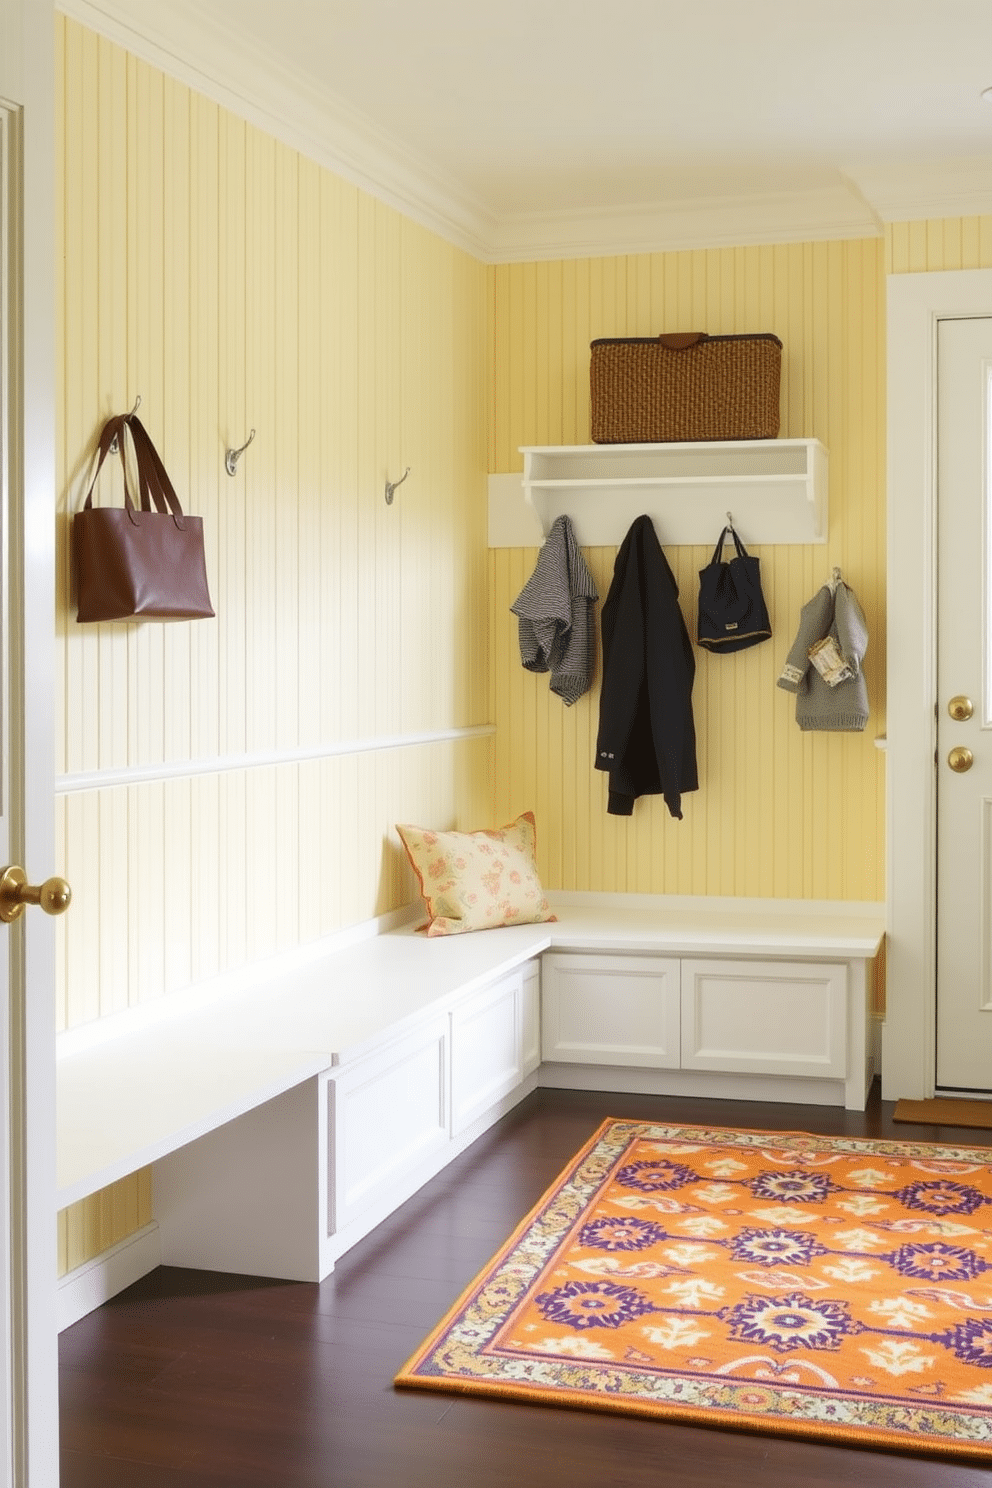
(284, 357)
(778, 812)
(236, 416)
(95, 1224)
(235, 285)
(932, 246)
(256, 290)
(203, 411)
(309, 680)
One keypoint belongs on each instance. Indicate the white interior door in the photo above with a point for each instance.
(29, 1456)
(964, 705)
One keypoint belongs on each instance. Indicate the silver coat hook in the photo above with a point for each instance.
(391, 486)
(234, 455)
(113, 442)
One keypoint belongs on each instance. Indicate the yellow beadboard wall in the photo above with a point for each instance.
(228, 788)
(778, 812)
(88, 1229)
(937, 245)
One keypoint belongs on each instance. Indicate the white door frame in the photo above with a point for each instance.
(916, 302)
(27, 81)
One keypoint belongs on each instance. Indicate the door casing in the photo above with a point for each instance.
(27, 82)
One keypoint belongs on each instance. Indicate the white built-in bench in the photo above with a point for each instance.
(287, 1113)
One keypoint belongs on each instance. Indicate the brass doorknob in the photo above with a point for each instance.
(960, 708)
(960, 759)
(54, 895)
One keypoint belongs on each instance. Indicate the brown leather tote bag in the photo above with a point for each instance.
(138, 563)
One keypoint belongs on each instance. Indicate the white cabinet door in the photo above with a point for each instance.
(486, 1050)
(765, 1017)
(611, 1010)
(388, 1116)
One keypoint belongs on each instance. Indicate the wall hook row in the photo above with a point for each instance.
(113, 442)
(392, 485)
(234, 455)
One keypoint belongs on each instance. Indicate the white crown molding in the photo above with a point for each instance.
(176, 38)
(927, 189)
(240, 77)
(714, 222)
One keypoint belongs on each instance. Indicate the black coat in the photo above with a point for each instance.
(647, 739)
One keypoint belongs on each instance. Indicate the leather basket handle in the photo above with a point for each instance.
(682, 340)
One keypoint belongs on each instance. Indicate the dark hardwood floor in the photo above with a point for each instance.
(193, 1379)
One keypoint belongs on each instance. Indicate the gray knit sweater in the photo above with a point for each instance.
(844, 705)
(555, 614)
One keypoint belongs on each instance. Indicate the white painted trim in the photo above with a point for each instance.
(916, 302)
(259, 760)
(27, 82)
(914, 191)
(187, 45)
(715, 222)
(87, 1287)
(13, 1360)
(698, 1084)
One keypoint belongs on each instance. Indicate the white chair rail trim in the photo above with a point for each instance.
(259, 759)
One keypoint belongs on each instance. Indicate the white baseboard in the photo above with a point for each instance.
(90, 1285)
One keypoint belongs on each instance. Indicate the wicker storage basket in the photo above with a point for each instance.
(656, 389)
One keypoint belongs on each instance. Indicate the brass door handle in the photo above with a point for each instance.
(960, 759)
(960, 708)
(54, 895)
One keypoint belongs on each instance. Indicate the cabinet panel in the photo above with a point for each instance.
(387, 1113)
(530, 1016)
(765, 1017)
(611, 1010)
(486, 1050)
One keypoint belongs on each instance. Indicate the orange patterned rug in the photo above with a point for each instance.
(837, 1288)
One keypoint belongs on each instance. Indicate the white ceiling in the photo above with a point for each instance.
(528, 127)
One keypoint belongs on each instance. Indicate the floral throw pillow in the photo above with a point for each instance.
(478, 880)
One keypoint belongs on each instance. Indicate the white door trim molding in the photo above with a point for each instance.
(27, 415)
(916, 302)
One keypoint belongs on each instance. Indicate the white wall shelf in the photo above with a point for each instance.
(775, 488)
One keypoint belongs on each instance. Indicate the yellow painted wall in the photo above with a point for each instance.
(939, 244)
(778, 812)
(234, 285)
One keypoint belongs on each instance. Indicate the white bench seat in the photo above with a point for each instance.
(137, 1085)
(688, 926)
(300, 1055)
